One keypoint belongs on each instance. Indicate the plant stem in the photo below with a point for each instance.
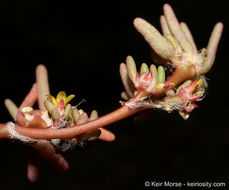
(71, 132)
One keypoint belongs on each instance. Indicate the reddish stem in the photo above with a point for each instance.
(179, 75)
(71, 132)
(183, 73)
(3, 131)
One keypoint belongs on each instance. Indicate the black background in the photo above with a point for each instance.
(82, 44)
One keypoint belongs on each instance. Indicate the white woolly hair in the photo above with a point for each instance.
(167, 106)
(15, 135)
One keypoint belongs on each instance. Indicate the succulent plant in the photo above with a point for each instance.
(176, 84)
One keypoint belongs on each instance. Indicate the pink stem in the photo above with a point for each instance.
(76, 130)
(119, 114)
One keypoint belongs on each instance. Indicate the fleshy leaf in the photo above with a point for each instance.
(129, 87)
(94, 115)
(157, 42)
(176, 29)
(144, 68)
(188, 34)
(12, 108)
(131, 67)
(212, 46)
(160, 74)
(164, 26)
(42, 85)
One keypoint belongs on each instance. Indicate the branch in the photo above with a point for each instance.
(71, 132)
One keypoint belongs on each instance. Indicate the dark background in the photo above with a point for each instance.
(82, 44)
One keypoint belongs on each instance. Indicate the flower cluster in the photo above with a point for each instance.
(150, 81)
(154, 91)
(61, 114)
(53, 114)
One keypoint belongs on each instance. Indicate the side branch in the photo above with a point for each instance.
(71, 132)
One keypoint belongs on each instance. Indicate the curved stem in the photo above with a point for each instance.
(76, 130)
(183, 73)
(3, 131)
(71, 132)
